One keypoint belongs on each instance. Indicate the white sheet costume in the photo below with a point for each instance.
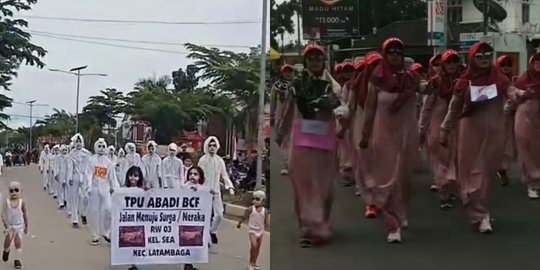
(112, 154)
(44, 166)
(152, 168)
(77, 193)
(132, 158)
(53, 181)
(63, 173)
(121, 169)
(173, 169)
(103, 184)
(215, 170)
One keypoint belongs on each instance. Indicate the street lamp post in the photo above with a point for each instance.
(262, 86)
(77, 72)
(31, 103)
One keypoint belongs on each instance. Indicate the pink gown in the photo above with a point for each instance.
(345, 145)
(395, 155)
(312, 172)
(480, 150)
(442, 159)
(527, 127)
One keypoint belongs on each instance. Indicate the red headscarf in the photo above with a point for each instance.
(480, 77)
(501, 60)
(444, 80)
(394, 79)
(416, 67)
(431, 73)
(286, 68)
(372, 59)
(530, 80)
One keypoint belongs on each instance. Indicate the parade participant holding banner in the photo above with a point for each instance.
(77, 194)
(134, 180)
(15, 219)
(103, 184)
(257, 218)
(173, 169)
(151, 165)
(214, 169)
(196, 181)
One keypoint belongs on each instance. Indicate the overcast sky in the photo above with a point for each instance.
(123, 66)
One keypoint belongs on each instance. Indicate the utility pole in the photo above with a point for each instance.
(262, 86)
(485, 10)
(31, 104)
(298, 26)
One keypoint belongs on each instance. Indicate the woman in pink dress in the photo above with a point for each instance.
(527, 126)
(442, 159)
(505, 65)
(313, 165)
(365, 183)
(477, 106)
(278, 96)
(390, 125)
(345, 154)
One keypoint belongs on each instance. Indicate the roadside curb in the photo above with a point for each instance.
(237, 211)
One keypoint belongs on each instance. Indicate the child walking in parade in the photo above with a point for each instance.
(134, 180)
(257, 218)
(15, 219)
(195, 181)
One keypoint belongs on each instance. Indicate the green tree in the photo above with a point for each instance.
(105, 107)
(185, 80)
(235, 76)
(281, 20)
(169, 111)
(15, 48)
(60, 123)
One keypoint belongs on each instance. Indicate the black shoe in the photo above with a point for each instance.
(84, 221)
(107, 239)
(18, 264)
(5, 256)
(65, 203)
(133, 267)
(213, 236)
(95, 242)
(75, 225)
(446, 204)
(61, 207)
(189, 267)
(55, 197)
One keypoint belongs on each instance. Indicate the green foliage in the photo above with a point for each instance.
(281, 20)
(15, 47)
(185, 80)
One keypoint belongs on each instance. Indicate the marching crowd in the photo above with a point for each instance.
(374, 118)
(82, 183)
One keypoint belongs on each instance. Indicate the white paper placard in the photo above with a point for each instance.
(483, 93)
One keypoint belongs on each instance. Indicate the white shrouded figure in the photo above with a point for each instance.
(103, 184)
(121, 169)
(215, 170)
(132, 158)
(63, 173)
(53, 180)
(173, 169)
(152, 168)
(44, 166)
(112, 154)
(77, 186)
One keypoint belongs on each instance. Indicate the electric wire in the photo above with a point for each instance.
(35, 32)
(142, 21)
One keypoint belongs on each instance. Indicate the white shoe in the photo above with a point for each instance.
(251, 267)
(284, 172)
(256, 267)
(394, 237)
(405, 224)
(485, 225)
(533, 194)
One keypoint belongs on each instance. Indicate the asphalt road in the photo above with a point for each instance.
(435, 239)
(53, 245)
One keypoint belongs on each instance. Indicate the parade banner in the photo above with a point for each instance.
(330, 19)
(162, 226)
